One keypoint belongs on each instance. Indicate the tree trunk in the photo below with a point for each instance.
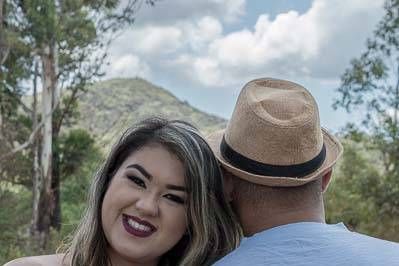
(396, 98)
(1, 32)
(36, 173)
(1, 62)
(4, 49)
(45, 200)
(55, 185)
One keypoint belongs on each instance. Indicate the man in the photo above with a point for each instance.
(278, 162)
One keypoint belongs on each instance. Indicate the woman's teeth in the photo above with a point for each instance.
(138, 226)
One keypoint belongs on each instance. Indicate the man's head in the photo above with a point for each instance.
(260, 207)
(276, 154)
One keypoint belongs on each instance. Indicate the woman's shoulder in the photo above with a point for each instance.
(45, 260)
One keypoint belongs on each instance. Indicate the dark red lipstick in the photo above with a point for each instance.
(134, 231)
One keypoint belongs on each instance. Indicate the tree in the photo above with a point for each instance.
(371, 83)
(4, 49)
(79, 157)
(13, 67)
(69, 39)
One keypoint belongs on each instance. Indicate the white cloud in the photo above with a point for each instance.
(148, 41)
(127, 66)
(204, 31)
(270, 40)
(157, 40)
(157, 44)
(187, 38)
(206, 71)
(172, 11)
(153, 42)
(234, 9)
(318, 43)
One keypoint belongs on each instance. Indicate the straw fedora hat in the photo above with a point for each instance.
(274, 136)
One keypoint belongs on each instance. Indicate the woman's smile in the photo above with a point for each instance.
(137, 227)
(146, 200)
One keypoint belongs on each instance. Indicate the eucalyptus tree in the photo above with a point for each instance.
(62, 46)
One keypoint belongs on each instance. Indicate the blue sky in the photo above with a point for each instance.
(204, 51)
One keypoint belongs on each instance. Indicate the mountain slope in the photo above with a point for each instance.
(109, 107)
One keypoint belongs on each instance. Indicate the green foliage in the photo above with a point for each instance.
(122, 101)
(41, 19)
(14, 221)
(79, 163)
(109, 107)
(63, 35)
(347, 198)
(80, 158)
(74, 147)
(357, 192)
(16, 67)
(18, 168)
(79, 31)
(371, 84)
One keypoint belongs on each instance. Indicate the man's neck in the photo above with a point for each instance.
(254, 222)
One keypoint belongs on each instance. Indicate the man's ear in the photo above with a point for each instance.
(326, 181)
(228, 185)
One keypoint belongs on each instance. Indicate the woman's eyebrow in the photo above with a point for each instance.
(141, 170)
(149, 177)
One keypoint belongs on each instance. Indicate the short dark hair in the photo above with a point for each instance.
(281, 197)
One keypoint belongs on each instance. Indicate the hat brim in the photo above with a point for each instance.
(333, 152)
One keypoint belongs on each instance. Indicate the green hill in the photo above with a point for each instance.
(109, 107)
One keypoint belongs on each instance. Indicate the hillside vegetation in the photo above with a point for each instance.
(356, 196)
(102, 113)
(109, 107)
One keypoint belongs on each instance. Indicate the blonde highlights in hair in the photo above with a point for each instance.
(213, 229)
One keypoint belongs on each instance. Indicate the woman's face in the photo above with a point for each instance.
(144, 213)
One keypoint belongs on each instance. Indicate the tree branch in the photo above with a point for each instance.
(21, 103)
(24, 145)
(396, 97)
(4, 48)
(4, 54)
(66, 109)
(30, 139)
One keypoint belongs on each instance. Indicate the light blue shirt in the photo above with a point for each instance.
(311, 244)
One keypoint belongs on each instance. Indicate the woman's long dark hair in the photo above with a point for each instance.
(213, 230)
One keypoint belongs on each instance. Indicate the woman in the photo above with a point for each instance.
(157, 200)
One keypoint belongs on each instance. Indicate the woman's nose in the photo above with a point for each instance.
(148, 205)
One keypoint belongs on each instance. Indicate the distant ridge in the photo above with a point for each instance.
(109, 107)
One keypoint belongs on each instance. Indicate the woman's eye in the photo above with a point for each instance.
(138, 181)
(175, 198)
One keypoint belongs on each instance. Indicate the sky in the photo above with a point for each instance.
(205, 51)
